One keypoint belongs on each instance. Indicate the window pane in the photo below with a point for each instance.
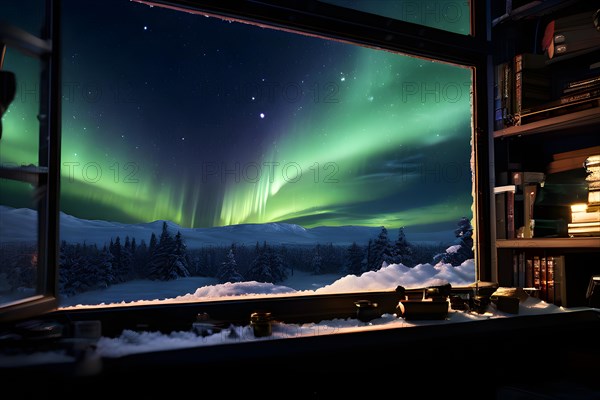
(20, 126)
(450, 15)
(20, 277)
(204, 151)
(24, 14)
(18, 242)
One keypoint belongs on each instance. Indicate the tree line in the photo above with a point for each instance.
(85, 267)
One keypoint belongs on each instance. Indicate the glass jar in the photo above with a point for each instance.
(261, 323)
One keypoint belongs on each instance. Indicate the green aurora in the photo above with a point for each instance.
(386, 142)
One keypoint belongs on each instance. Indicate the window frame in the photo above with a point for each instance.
(46, 178)
(300, 17)
(332, 22)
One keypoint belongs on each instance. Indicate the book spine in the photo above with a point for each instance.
(518, 87)
(510, 215)
(543, 279)
(529, 273)
(560, 297)
(563, 101)
(579, 231)
(501, 216)
(593, 197)
(516, 267)
(583, 83)
(519, 269)
(591, 224)
(529, 194)
(587, 95)
(590, 216)
(581, 88)
(550, 279)
(522, 275)
(507, 80)
(536, 272)
(499, 113)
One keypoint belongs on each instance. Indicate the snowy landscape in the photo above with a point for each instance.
(444, 268)
(96, 256)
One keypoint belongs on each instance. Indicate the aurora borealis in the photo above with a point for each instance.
(205, 122)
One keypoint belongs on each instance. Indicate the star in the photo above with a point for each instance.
(262, 115)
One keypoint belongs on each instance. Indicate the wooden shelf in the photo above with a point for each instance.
(561, 122)
(534, 8)
(554, 243)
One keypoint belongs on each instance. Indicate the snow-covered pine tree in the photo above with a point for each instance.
(332, 258)
(153, 244)
(381, 250)
(267, 266)
(181, 256)
(69, 265)
(228, 270)
(140, 258)
(316, 263)
(104, 268)
(117, 251)
(78, 272)
(354, 259)
(127, 260)
(462, 249)
(278, 270)
(403, 251)
(259, 268)
(369, 257)
(165, 263)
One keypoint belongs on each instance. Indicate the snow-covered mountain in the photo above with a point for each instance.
(20, 224)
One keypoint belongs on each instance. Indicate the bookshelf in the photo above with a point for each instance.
(581, 243)
(562, 122)
(540, 210)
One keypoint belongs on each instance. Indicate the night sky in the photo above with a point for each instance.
(204, 122)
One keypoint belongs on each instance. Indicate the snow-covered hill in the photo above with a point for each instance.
(20, 224)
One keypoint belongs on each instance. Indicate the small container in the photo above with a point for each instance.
(261, 323)
(458, 302)
(480, 303)
(423, 309)
(440, 292)
(366, 310)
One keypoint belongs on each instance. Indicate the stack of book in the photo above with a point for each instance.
(585, 217)
(592, 168)
(527, 89)
(571, 35)
(571, 160)
(573, 95)
(541, 275)
(564, 78)
(532, 85)
(521, 84)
